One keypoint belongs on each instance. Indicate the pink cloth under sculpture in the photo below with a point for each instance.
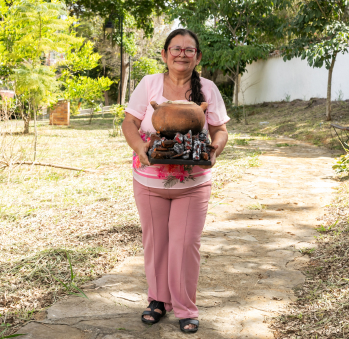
(172, 222)
(170, 176)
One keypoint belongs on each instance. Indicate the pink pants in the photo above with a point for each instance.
(172, 222)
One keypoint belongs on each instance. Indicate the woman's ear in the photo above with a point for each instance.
(164, 56)
(199, 58)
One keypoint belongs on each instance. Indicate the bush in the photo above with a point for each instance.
(342, 165)
(119, 115)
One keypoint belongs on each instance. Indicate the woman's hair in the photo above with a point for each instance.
(195, 85)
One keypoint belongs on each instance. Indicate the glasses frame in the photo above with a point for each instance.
(182, 49)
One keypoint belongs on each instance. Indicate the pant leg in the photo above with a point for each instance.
(154, 210)
(187, 220)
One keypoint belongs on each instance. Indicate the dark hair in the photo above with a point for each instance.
(195, 85)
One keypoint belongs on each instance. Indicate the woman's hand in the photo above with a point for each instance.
(142, 153)
(213, 156)
(219, 137)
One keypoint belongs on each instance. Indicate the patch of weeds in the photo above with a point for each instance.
(256, 206)
(262, 136)
(241, 142)
(307, 250)
(323, 229)
(283, 145)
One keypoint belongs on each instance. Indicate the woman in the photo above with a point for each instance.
(172, 200)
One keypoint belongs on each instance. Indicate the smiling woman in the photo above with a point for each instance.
(172, 200)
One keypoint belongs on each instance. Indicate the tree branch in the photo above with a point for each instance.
(46, 164)
(317, 1)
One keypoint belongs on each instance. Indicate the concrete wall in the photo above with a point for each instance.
(60, 113)
(274, 79)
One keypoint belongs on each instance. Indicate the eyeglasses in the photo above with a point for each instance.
(176, 51)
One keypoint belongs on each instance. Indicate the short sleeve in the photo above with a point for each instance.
(139, 100)
(216, 111)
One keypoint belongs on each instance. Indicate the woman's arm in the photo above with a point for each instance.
(130, 127)
(219, 138)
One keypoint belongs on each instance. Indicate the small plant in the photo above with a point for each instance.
(287, 97)
(119, 115)
(71, 286)
(340, 95)
(3, 336)
(241, 142)
(307, 250)
(258, 206)
(323, 229)
(282, 145)
(342, 164)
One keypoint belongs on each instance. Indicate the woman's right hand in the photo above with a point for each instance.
(142, 153)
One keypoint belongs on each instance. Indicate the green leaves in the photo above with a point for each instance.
(32, 28)
(231, 31)
(87, 88)
(144, 66)
(35, 83)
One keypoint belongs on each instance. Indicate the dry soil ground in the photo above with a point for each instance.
(258, 229)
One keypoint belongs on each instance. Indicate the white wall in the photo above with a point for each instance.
(273, 79)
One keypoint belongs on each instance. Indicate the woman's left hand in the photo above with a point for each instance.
(213, 157)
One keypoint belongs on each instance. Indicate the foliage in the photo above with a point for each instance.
(31, 29)
(229, 30)
(35, 83)
(118, 112)
(319, 32)
(80, 57)
(342, 164)
(91, 90)
(142, 11)
(144, 66)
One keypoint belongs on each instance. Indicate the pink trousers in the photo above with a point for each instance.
(172, 222)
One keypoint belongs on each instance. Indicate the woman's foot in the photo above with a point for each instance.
(154, 312)
(189, 324)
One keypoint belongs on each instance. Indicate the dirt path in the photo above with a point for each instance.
(251, 258)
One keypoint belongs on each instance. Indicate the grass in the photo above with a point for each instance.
(321, 310)
(49, 215)
(298, 119)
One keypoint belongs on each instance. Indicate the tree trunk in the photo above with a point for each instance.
(26, 119)
(329, 88)
(237, 85)
(35, 133)
(125, 73)
(106, 98)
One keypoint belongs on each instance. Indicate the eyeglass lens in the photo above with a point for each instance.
(189, 52)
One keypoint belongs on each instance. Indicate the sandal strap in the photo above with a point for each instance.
(188, 321)
(157, 305)
(152, 313)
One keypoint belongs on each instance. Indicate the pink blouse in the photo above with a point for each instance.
(170, 176)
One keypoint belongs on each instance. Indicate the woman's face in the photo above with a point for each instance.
(181, 63)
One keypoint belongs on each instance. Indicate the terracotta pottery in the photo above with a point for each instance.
(178, 116)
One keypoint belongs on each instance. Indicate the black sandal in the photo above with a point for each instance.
(188, 321)
(156, 315)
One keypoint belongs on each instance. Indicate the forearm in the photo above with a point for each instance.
(132, 135)
(219, 138)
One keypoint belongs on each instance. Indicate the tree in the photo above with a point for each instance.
(36, 85)
(318, 33)
(29, 30)
(89, 89)
(141, 10)
(230, 31)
